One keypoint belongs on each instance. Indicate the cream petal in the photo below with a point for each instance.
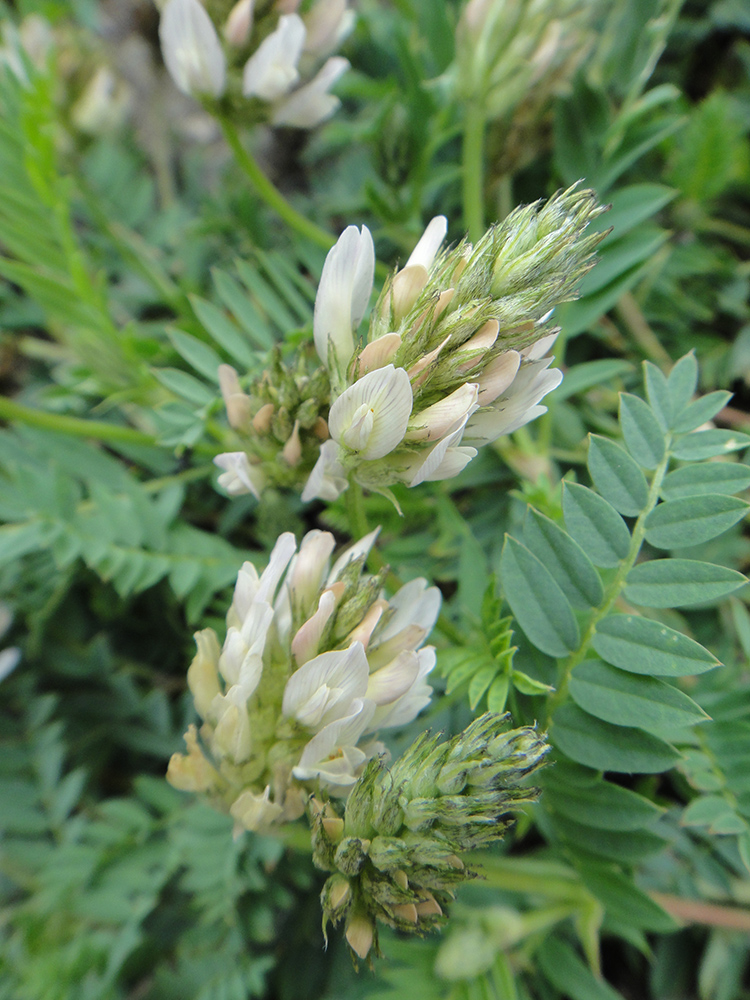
(413, 604)
(322, 689)
(191, 48)
(271, 71)
(310, 105)
(429, 243)
(255, 812)
(387, 392)
(443, 417)
(332, 754)
(497, 376)
(306, 641)
(393, 680)
(328, 480)
(278, 561)
(406, 708)
(343, 295)
(240, 476)
(358, 550)
(308, 569)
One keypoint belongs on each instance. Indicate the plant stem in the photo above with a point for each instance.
(355, 508)
(100, 430)
(271, 194)
(473, 170)
(613, 590)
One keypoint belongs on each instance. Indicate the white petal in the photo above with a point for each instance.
(327, 481)
(429, 243)
(308, 569)
(244, 594)
(443, 417)
(240, 476)
(426, 471)
(406, 708)
(310, 105)
(538, 350)
(239, 23)
(343, 294)
(272, 71)
(497, 376)
(454, 461)
(518, 406)
(413, 604)
(306, 641)
(332, 754)
(255, 812)
(283, 550)
(387, 393)
(328, 24)
(393, 680)
(191, 48)
(322, 689)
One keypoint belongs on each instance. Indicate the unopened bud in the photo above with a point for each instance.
(262, 419)
(360, 934)
(292, 450)
(239, 23)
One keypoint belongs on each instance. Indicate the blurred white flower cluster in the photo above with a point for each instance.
(314, 662)
(275, 52)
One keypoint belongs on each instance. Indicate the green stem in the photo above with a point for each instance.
(100, 430)
(612, 592)
(270, 194)
(473, 170)
(355, 508)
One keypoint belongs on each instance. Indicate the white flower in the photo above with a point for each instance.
(332, 755)
(240, 476)
(191, 49)
(445, 460)
(271, 71)
(323, 689)
(308, 106)
(328, 478)
(255, 812)
(371, 416)
(343, 294)
(402, 710)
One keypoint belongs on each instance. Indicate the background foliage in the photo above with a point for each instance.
(591, 564)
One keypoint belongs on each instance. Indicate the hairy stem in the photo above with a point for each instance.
(473, 170)
(271, 194)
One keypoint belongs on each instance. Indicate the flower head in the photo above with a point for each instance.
(315, 658)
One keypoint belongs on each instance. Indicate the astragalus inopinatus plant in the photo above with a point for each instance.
(456, 355)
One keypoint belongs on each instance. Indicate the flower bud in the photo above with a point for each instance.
(239, 23)
(191, 49)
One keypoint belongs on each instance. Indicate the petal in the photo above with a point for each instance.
(343, 294)
(308, 569)
(310, 105)
(328, 24)
(240, 476)
(443, 417)
(393, 680)
(272, 71)
(387, 392)
(332, 753)
(378, 353)
(360, 549)
(255, 812)
(202, 676)
(413, 604)
(283, 550)
(497, 376)
(429, 243)
(323, 688)
(191, 48)
(406, 708)
(425, 471)
(307, 640)
(327, 481)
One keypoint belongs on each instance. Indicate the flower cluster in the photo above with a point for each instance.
(315, 660)
(274, 50)
(457, 345)
(456, 356)
(394, 853)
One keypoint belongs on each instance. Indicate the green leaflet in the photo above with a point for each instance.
(203, 358)
(594, 743)
(565, 559)
(708, 477)
(715, 812)
(600, 804)
(617, 477)
(673, 583)
(688, 521)
(645, 646)
(595, 525)
(682, 382)
(623, 900)
(701, 411)
(709, 444)
(644, 437)
(536, 600)
(629, 700)
(628, 847)
(565, 970)
(659, 396)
